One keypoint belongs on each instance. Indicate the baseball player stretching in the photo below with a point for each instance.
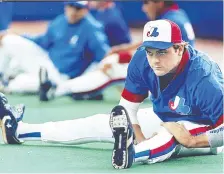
(72, 42)
(113, 68)
(115, 26)
(186, 88)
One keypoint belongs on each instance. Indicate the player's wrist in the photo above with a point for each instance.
(138, 133)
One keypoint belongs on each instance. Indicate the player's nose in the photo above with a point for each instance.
(155, 60)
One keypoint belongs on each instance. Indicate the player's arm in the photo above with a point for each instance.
(208, 97)
(133, 95)
(124, 48)
(45, 39)
(98, 44)
(212, 138)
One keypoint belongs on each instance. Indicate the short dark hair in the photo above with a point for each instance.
(168, 3)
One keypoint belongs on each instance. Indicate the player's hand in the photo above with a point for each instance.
(120, 48)
(139, 137)
(181, 134)
(113, 50)
(154, 134)
(106, 67)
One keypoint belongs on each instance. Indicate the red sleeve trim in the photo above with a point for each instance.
(135, 98)
(124, 57)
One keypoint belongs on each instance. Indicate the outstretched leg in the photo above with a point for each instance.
(78, 131)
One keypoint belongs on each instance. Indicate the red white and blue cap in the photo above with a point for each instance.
(161, 34)
(76, 3)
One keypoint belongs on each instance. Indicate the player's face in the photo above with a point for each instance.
(164, 61)
(150, 9)
(74, 14)
(96, 4)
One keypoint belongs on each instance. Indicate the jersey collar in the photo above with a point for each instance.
(183, 63)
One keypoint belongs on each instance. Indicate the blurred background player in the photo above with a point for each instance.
(115, 28)
(73, 41)
(117, 32)
(113, 68)
(110, 16)
(159, 9)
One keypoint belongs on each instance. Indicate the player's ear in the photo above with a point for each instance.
(180, 50)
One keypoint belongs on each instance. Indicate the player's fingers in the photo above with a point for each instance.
(154, 134)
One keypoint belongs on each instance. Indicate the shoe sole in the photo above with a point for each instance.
(119, 127)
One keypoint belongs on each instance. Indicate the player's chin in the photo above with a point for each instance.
(160, 72)
(72, 20)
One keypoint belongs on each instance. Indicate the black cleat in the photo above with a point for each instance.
(46, 88)
(9, 118)
(123, 152)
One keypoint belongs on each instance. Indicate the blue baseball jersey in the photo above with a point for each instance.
(115, 27)
(179, 17)
(5, 14)
(73, 47)
(195, 94)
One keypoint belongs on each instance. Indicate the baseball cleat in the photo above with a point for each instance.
(9, 118)
(46, 88)
(9, 126)
(123, 152)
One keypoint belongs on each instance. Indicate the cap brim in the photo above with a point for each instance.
(75, 4)
(156, 44)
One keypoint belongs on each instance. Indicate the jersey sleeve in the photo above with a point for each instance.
(135, 88)
(98, 44)
(209, 98)
(43, 40)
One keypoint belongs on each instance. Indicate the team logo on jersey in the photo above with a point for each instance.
(178, 105)
(153, 32)
(74, 40)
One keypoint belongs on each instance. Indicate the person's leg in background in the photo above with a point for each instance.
(91, 83)
(29, 57)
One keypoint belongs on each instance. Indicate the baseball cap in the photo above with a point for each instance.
(161, 34)
(80, 4)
